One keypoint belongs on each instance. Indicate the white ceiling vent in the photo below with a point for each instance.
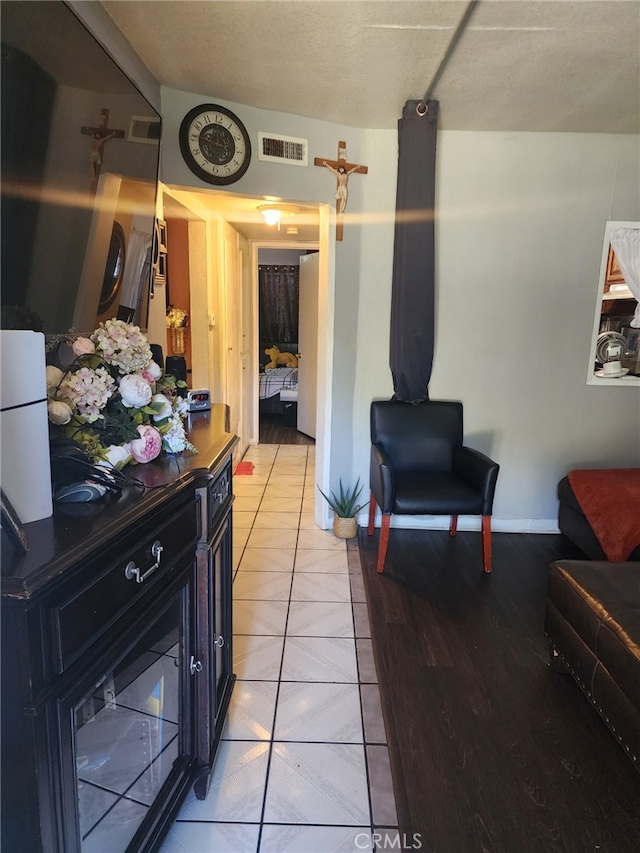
(283, 149)
(144, 129)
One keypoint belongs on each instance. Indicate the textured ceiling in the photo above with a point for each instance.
(530, 65)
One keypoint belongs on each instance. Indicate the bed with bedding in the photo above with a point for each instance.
(278, 386)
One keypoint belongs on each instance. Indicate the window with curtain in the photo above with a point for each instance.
(278, 294)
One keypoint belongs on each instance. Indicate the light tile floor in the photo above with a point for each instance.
(303, 765)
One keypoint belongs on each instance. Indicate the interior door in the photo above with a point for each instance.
(308, 344)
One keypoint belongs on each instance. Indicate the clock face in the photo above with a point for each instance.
(215, 144)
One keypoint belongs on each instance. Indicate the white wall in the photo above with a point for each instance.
(519, 235)
(280, 257)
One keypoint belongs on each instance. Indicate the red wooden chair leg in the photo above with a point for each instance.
(486, 542)
(384, 541)
(453, 527)
(372, 516)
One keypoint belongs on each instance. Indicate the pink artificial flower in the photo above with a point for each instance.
(83, 346)
(152, 372)
(148, 446)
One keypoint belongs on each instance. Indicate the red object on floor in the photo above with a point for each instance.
(610, 500)
(244, 468)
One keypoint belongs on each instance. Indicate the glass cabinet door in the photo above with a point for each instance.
(214, 648)
(221, 612)
(129, 731)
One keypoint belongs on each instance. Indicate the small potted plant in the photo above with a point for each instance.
(346, 507)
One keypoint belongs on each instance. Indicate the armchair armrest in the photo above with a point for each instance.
(381, 479)
(479, 471)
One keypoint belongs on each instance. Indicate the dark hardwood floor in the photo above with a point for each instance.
(273, 431)
(491, 749)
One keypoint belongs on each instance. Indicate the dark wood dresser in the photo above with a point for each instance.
(117, 657)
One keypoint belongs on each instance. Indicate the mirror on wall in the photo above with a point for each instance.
(614, 357)
(80, 151)
(113, 268)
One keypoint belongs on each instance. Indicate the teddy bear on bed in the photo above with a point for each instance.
(280, 359)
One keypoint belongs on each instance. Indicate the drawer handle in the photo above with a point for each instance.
(219, 641)
(131, 571)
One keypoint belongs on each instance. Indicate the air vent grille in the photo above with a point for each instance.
(283, 149)
(144, 129)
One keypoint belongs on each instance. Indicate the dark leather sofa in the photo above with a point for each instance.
(592, 623)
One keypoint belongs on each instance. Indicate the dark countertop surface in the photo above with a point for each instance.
(76, 530)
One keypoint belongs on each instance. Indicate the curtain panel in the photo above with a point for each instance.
(412, 295)
(278, 296)
(626, 245)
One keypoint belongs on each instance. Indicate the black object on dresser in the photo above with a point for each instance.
(116, 656)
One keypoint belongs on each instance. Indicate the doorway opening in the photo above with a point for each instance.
(225, 232)
(287, 344)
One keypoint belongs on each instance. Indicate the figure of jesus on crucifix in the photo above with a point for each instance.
(100, 135)
(342, 190)
(341, 169)
(95, 158)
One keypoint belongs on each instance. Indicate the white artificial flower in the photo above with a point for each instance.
(59, 413)
(181, 407)
(174, 440)
(122, 345)
(116, 456)
(89, 390)
(166, 410)
(54, 378)
(135, 391)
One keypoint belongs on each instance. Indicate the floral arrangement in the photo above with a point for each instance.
(113, 400)
(177, 318)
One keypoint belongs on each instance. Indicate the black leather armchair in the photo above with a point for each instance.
(420, 467)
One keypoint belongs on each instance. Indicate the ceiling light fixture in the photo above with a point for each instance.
(274, 212)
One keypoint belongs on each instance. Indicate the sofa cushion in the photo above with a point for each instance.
(610, 500)
(575, 526)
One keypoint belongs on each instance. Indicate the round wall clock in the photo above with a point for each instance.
(215, 144)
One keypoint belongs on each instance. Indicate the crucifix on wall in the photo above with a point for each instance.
(100, 136)
(342, 170)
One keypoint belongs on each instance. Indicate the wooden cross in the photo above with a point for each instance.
(342, 170)
(100, 136)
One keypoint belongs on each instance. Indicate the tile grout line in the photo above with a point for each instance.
(277, 696)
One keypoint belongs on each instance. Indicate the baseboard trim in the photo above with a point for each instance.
(470, 522)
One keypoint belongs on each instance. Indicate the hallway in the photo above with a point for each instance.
(303, 765)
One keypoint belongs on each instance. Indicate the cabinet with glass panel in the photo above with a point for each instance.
(116, 663)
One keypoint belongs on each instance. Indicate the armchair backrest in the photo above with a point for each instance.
(420, 437)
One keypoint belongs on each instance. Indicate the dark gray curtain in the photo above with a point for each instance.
(412, 299)
(279, 295)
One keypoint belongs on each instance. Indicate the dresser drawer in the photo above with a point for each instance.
(82, 618)
(216, 496)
